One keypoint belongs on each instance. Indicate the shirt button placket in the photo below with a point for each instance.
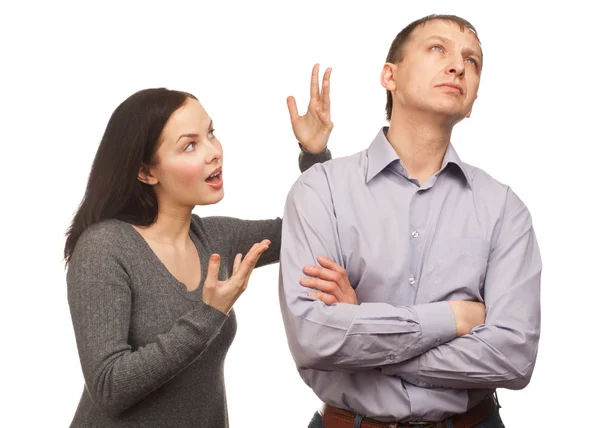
(415, 225)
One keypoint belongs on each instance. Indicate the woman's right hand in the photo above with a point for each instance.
(223, 294)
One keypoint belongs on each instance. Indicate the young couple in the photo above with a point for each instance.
(409, 280)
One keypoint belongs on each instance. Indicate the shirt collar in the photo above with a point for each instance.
(381, 153)
(452, 157)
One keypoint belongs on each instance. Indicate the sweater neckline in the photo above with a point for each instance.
(180, 287)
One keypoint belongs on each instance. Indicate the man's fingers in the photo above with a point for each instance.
(331, 271)
(319, 284)
(292, 108)
(326, 273)
(327, 287)
(325, 298)
(314, 83)
(326, 262)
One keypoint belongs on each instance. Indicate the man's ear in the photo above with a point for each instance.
(387, 78)
(145, 175)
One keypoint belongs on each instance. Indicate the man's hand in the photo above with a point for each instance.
(467, 315)
(333, 285)
(313, 129)
(332, 282)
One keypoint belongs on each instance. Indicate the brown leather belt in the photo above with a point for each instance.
(334, 417)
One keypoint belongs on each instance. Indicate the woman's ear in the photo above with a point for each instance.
(145, 175)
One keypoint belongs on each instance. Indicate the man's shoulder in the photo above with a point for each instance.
(328, 178)
(481, 180)
(490, 190)
(335, 169)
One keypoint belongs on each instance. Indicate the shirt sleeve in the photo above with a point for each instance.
(500, 353)
(235, 235)
(99, 297)
(343, 336)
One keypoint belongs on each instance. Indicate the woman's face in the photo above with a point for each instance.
(187, 167)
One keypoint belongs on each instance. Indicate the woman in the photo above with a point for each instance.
(150, 285)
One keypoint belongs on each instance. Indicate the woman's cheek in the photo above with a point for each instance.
(192, 172)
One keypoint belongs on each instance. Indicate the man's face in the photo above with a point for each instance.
(439, 72)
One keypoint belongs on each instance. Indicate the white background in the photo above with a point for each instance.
(65, 67)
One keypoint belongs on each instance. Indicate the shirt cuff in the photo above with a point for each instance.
(437, 324)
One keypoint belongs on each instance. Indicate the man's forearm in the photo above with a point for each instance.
(502, 352)
(489, 357)
(343, 336)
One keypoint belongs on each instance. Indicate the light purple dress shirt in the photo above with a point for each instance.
(408, 250)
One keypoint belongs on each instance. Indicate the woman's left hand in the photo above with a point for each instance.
(313, 129)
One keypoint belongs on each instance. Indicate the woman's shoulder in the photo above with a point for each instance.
(105, 234)
(207, 226)
(103, 241)
(103, 253)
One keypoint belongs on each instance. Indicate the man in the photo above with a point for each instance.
(428, 299)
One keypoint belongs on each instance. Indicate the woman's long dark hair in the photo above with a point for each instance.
(130, 140)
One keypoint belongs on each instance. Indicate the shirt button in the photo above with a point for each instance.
(415, 234)
(411, 280)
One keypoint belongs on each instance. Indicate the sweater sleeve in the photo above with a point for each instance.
(307, 159)
(99, 297)
(230, 236)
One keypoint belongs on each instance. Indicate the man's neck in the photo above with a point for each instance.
(420, 143)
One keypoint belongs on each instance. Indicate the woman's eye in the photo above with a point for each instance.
(190, 147)
(211, 133)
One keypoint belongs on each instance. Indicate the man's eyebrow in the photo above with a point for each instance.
(467, 51)
(443, 39)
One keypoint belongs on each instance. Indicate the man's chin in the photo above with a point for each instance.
(449, 115)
